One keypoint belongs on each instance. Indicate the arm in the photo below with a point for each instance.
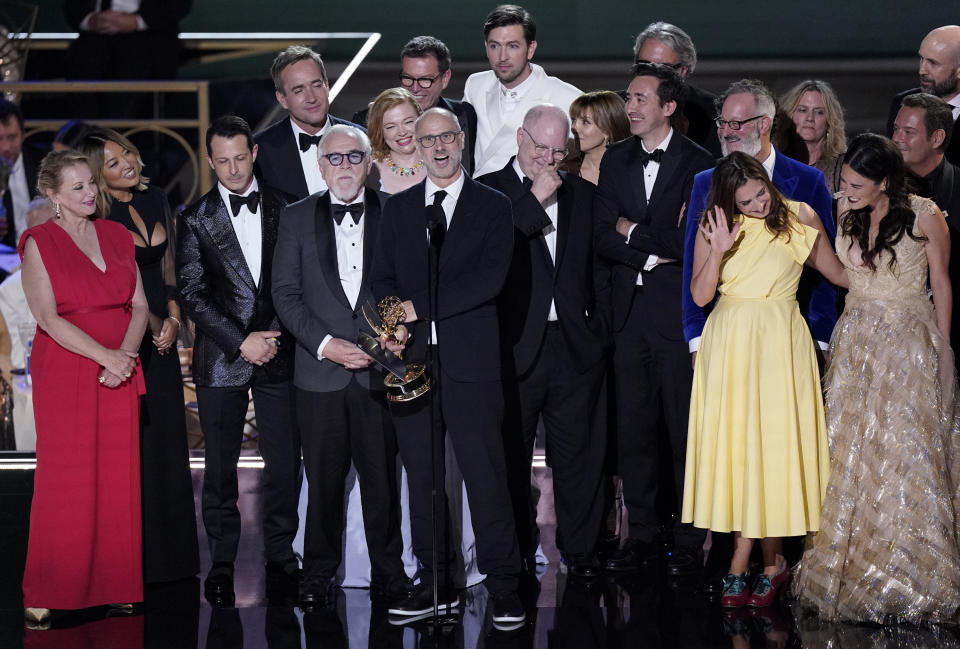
(610, 243)
(694, 315)
(821, 201)
(198, 302)
(43, 305)
(822, 257)
(714, 240)
(937, 247)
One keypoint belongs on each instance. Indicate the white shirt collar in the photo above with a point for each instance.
(663, 145)
(336, 201)
(297, 130)
(516, 93)
(453, 189)
(225, 193)
(516, 167)
(769, 162)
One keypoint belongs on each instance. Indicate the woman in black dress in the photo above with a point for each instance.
(169, 521)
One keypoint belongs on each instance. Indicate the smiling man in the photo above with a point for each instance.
(939, 75)
(288, 148)
(513, 85)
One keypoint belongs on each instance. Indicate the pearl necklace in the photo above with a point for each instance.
(403, 171)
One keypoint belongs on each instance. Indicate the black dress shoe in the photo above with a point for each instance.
(507, 611)
(218, 587)
(418, 604)
(634, 555)
(395, 590)
(584, 566)
(685, 563)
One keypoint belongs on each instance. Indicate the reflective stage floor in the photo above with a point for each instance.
(643, 610)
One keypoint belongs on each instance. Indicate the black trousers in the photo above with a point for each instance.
(654, 377)
(472, 414)
(222, 412)
(567, 401)
(337, 427)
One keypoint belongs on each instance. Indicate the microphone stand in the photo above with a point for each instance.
(436, 225)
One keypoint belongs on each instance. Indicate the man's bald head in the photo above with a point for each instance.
(940, 62)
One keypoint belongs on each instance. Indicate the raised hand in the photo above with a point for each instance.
(716, 232)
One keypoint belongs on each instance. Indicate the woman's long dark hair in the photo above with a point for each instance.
(877, 158)
(731, 174)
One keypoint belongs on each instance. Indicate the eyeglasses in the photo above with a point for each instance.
(734, 124)
(674, 66)
(423, 82)
(336, 159)
(542, 150)
(447, 137)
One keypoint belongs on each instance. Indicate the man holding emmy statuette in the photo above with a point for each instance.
(469, 229)
(321, 282)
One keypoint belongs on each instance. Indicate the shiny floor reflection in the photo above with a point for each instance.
(642, 610)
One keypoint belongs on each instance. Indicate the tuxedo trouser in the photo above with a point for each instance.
(654, 377)
(472, 414)
(222, 413)
(567, 400)
(335, 428)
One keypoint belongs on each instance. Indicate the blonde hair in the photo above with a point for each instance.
(50, 175)
(835, 141)
(389, 98)
(92, 147)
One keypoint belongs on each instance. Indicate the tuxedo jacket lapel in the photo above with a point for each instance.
(461, 223)
(669, 164)
(786, 183)
(290, 159)
(327, 248)
(371, 225)
(635, 175)
(564, 217)
(216, 219)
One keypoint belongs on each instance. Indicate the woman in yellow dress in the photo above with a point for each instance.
(757, 461)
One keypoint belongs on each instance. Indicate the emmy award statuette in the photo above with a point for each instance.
(405, 381)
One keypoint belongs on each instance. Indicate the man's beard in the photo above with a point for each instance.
(750, 145)
(946, 88)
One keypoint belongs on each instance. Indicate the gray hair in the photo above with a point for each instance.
(289, 56)
(345, 129)
(540, 111)
(439, 111)
(678, 40)
(766, 105)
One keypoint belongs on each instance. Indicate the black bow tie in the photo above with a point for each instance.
(340, 210)
(647, 157)
(252, 200)
(307, 141)
(527, 183)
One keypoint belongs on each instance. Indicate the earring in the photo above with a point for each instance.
(58, 210)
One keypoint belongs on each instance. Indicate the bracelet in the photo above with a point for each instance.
(170, 317)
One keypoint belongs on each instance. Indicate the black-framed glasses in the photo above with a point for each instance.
(336, 159)
(734, 124)
(424, 82)
(542, 149)
(447, 137)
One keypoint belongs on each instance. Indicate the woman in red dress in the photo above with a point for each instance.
(81, 282)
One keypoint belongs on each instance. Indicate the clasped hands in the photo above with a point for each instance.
(112, 22)
(259, 347)
(118, 366)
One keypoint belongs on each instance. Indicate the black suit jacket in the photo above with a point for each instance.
(307, 292)
(466, 115)
(578, 286)
(953, 150)
(31, 165)
(219, 294)
(278, 157)
(473, 266)
(660, 227)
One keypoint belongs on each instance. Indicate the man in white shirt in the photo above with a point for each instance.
(320, 285)
(513, 85)
(225, 244)
(288, 148)
(23, 163)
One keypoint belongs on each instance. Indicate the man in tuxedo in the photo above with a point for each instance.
(321, 280)
(225, 244)
(471, 230)
(922, 132)
(554, 325)
(644, 183)
(939, 76)
(23, 162)
(746, 109)
(425, 72)
(288, 148)
(664, 43)
(503, 94)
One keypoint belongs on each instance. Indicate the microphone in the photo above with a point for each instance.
(436, 225)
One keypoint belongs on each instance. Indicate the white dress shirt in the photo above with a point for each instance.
(126, 6)
(449, 205)
(549, 232)
(248, 228)
(349, 237)
(650, 173)
(955, 106)
(309, 160)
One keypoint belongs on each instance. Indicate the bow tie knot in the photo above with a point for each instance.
(252, 200)
(654, 155)
(307, 141)
(340, 210)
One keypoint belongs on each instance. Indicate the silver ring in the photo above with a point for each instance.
(127, 375)
(101, 379)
